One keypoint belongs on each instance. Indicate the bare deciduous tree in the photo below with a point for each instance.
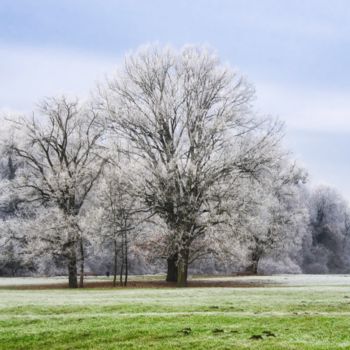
(280, 217)
(63, 157)
(187, 120)
(326, 248)
(119, 215)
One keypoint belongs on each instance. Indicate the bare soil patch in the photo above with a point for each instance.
(142, 284)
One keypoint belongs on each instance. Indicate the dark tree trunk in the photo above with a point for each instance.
(82, 261)
(122, 265)
(253, 267)
(172, 268)
(182, 274)
(182, 270)
(115, 263)
(126, 262)
(72, 270)
(11, 169)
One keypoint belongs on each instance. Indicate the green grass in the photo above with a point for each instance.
(313, 317)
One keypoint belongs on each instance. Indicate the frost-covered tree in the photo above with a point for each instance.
(187, 120)
(327, 247)
(280, 216)
(63, 155)
(119, 214)
(9, 165)
(12, 245)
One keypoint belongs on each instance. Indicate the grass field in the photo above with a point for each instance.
(300, 312)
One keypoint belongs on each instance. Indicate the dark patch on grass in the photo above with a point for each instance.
(256, 337)
(186, 331)
(269, 334)
(217, 330)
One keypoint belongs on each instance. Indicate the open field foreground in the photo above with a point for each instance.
(282, 312)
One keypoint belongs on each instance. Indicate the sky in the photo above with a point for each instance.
(296, 54)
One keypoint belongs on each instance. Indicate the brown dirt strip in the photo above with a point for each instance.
(140, 284)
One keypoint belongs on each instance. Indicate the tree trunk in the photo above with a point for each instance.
(253, 267)
(126, 261)
(182, 274)
(72, 269)
(11, 168)
(82, 261)
(182, 269)
(172, 268)
(122, 264)
(115, 264)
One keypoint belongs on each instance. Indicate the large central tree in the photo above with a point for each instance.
(186, 119)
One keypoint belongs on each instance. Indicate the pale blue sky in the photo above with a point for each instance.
(295, 52)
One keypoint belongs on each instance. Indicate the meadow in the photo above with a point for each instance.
(281, 312)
